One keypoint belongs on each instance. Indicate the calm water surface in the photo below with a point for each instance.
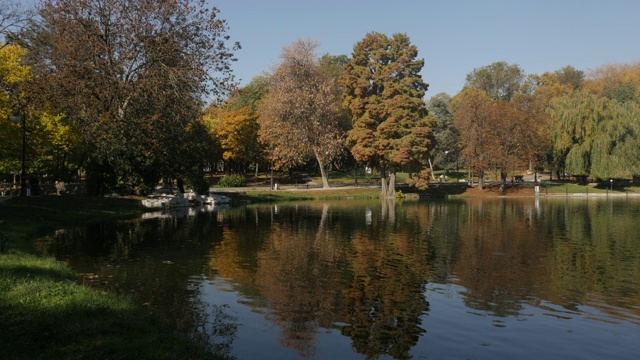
(456, 279)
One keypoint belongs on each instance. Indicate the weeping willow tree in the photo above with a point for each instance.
(596, 137)
(615, 151)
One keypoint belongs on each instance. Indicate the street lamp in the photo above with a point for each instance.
(23, 176)
(272, 156)
(446, 152)
(611, 181)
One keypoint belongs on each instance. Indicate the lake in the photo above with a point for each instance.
(520, 278)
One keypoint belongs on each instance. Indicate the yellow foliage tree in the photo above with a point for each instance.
(236, 130)
(13, 75)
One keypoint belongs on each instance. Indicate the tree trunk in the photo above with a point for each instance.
(480, 180)
(325, 179)
(180, 184)
(433, 177)
(503, 181)
(389, 189)
(323, 171)
(383, 183)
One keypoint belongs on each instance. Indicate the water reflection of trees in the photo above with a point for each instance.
(517, 252)
(152, 262)
(322, 266)
(360, 268)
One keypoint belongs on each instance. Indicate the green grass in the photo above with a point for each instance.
(592, 188)
(256, 196)
(45, 315)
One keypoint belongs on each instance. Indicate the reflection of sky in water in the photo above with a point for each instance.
(454, 331)
(545, 331)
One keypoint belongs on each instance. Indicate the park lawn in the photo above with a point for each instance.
(46, 315)
(591, 188)
(269, 196)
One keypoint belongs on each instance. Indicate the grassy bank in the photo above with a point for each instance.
(45, 315)
(262, 196)
(586, 189)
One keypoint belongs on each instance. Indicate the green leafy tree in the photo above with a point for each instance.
(596, 137)
(131, 76)
(383, 90)
(447, 147)
(570, 76)
(499, 80)
(299, 116)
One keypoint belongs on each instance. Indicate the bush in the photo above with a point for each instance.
(232, 181)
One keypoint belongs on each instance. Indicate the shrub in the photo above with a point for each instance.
(232, 181)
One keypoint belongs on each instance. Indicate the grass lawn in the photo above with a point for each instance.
(592, 188)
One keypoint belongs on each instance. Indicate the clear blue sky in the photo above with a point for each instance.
(453, 36)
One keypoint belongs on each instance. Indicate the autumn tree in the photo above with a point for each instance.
(131, 76)
(473, 116)
(384, 93)
(13, 77)
(539, 91)
(620, 82)
(299, 117)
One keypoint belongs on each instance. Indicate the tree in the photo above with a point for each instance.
(534, 103)
(299, 117)
(445, 134)
(384, 92)
(131, 75)
(620, 82)
(596, 137)
(236, 130)
(13, 16)
(499, 80)
(570, 76)
(473, 117)
(13, 78)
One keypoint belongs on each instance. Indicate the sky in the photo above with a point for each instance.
(454, 37)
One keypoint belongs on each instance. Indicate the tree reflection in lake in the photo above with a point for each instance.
(313, 270)
(362, 270)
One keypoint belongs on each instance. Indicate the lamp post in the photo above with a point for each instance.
(23, 175)
(446, 153)
(611, 181)
(271, 175)
(272, 156)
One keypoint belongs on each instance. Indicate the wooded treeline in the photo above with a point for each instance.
(136, 91)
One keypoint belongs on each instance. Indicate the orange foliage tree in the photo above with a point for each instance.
(384, 93)
(299, 116)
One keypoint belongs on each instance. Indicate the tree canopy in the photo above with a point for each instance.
(299, 117)
(383, 90)
(501, 81)
(131, 76)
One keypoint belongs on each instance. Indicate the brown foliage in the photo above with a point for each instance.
(299, 117)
